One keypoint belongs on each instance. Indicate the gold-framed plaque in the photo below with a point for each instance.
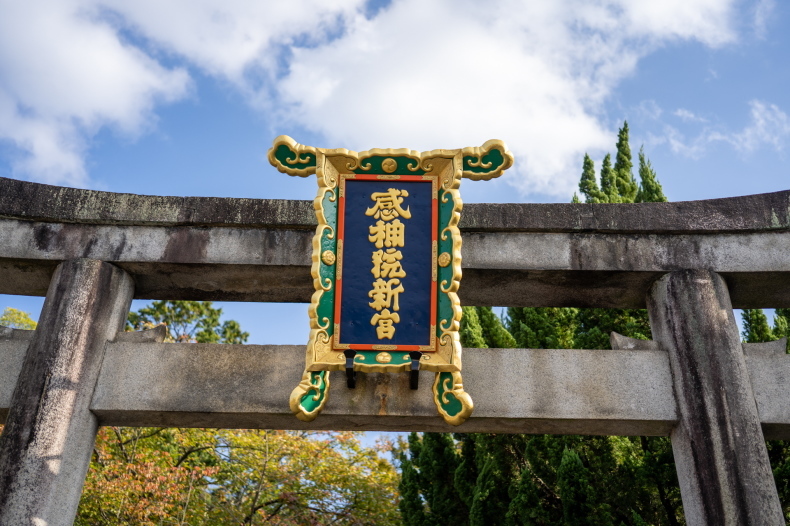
(386, 265)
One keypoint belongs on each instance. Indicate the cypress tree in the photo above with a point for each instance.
(650, 190)
(573, 482)
(471, 332)
(588, 185)
(438, 464)
(542, 327)
(494, 333)
(629, 481)
(782, 325)
(626, 184)
(412, 506)
(755, 326)
(608, 182)
(466, 474)
(497, 464)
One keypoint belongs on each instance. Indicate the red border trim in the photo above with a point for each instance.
(341, 221)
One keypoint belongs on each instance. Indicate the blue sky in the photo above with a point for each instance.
(184, 98)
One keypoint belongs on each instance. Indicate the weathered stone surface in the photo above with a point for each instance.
(771, 348)
(46, 444)
(514, 390)
(605, 392)
(31, 201)
(719, 448)
(618, 341)
(528, 269)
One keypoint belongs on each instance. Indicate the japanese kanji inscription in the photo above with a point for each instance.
(386, 265)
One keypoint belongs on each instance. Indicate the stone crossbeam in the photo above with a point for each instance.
(604, 255)
(602, 392)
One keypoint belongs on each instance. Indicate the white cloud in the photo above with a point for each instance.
(535, 74)
(418, 74)
(688, 116)
(762, 15)
(768, 126)
(63, 76)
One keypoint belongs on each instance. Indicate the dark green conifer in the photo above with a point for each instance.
(608, 182)
(782, 325)
(755, 326)
(542, 327)
(650, 190)
(623, 164)
(471, 332)
(412, 506)
(494, 333)
(573, 483)
(588, 186)
(496, 466)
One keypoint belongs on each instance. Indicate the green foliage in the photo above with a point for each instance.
(150, 476)
(588, 186)
(16, 319)
(471, 331)
(755, 326)
(593, 326)
(428, 494)
(608, 181)
(543, 327)
(756, 330)
(188, 321)
(617, 182)
(493, 331)
(650, 190)
(569, 480)
(626, 185)
(204, 476)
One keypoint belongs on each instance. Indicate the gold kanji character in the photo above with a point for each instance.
(387, 234)
(388, 205)
(384, 295)
(387, 264)
(385, 320)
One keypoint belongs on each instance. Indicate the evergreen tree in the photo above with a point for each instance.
(412, 505)
(546, 479)
(428, 494)
(496, 470)
(623, 164)
(494, 333)
(650, 190)
(755, 326)
(755, 330)
(573, 482)
(588, 185)
(471, 332)
(782, 325)
(542, 327)
(608, 182)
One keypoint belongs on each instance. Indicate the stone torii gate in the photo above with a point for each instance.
(690, 263)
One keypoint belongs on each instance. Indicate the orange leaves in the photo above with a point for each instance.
(205, 476)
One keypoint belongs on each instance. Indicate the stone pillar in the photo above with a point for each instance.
(720, 454)
(50, 432)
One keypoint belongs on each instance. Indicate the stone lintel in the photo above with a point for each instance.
(247, 386)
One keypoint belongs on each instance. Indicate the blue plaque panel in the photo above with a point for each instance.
(387, 260)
